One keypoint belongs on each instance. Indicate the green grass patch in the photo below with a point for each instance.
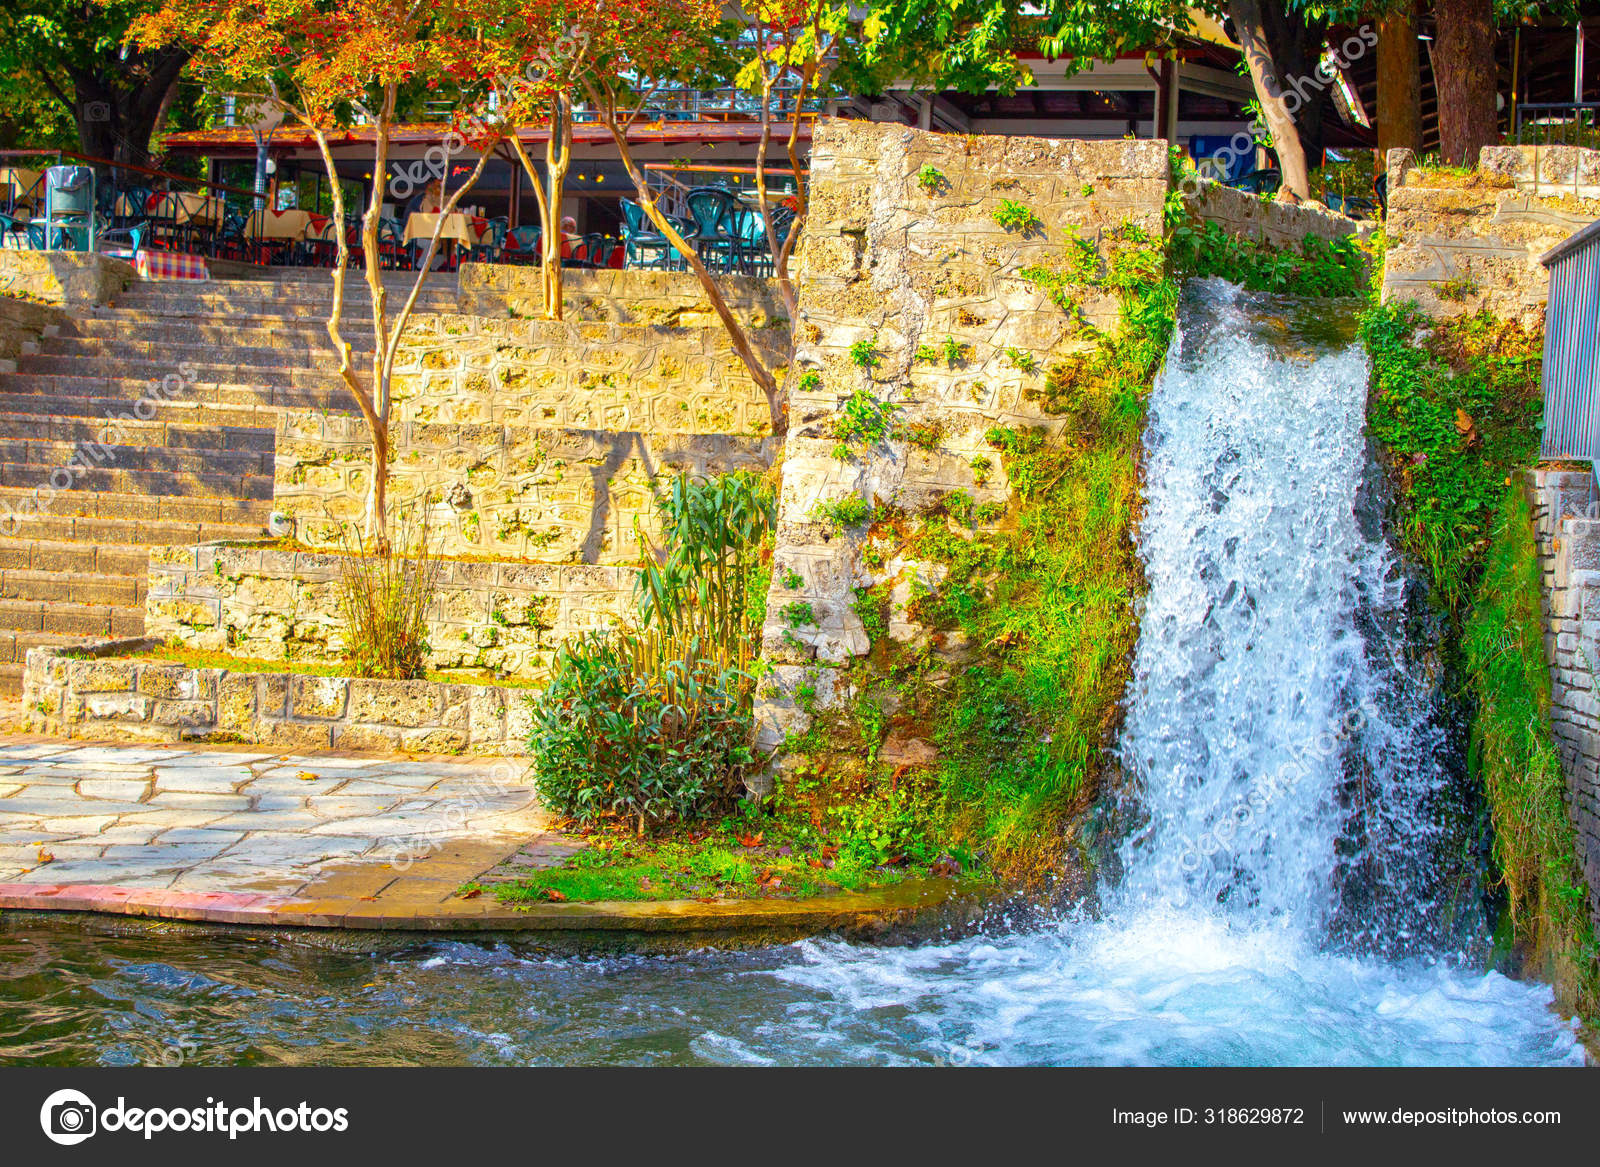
(1513, 755)
(780, 853)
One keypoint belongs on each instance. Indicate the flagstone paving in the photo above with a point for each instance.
(332, 841)
(200, 821)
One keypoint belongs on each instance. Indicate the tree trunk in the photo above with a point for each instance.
(557, 159)
(759, 373)
(1399, 84)
(1466, 76)
(1269, 76)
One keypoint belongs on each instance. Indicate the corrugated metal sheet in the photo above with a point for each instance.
(1572, 349)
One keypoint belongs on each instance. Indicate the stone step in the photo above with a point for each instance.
(34, 475)
(314, 391)
(104, 456)
(313, 284)
(294, 337)
(76, 427)
(28, 504)
(69, 587)
(14, 646)
(152, 360)
(67, 619)
(89, 557)
(194, 413)
(225, 307)
(176, 527)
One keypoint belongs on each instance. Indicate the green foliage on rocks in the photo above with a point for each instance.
(1455, 405)
(1318, 268)
(1014, 216)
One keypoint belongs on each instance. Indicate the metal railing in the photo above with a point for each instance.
(1572, 349)
(1558, 123)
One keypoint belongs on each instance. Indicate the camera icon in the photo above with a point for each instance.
(96, 111)
(68, 1117)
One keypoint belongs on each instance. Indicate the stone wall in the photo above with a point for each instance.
(1568, 538)
(1472, 243)
(1247, 216)
(22, 322)
(109, 694)
(62, 278)
(657, 298)
(262, 603)
(501, 491)
(553, 374)
(887, 261)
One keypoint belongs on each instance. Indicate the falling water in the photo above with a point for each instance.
(1283, 733)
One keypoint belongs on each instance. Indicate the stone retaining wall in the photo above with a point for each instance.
(1472, 243)
(1247, 216)
(618, 376)
(22, 322)
(107, 695)
(507, 492)
(657, 298)
(903, 265)
(1568, 539)
(263, 603)
(62, 278)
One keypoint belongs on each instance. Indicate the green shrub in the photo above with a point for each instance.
(930, 178)
(655, 723)
(1318, 268)
(622, 733)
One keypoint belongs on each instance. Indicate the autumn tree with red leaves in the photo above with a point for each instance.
(330, 68)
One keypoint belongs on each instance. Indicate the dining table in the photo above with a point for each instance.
(291, 223)
(457, 228)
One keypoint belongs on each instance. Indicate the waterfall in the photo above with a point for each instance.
(1294, 883)
(1284, 737)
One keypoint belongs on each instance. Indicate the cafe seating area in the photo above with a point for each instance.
(724, 227)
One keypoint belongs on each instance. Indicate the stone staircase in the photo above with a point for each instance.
(96, 467)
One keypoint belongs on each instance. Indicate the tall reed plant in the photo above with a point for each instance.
(386, 586)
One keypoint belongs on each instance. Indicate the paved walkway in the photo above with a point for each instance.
(325, 841)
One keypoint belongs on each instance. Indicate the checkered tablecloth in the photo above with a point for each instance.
(170, 265)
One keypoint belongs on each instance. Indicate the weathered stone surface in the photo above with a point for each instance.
(1568, 542)
(278, 710)
(505, 618)
(1474, 244)
(936, 284)
(62, 278)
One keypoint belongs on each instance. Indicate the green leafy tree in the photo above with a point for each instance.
(75, 51)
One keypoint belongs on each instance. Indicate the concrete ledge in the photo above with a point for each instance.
(869, 911)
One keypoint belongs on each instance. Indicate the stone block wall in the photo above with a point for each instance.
(1469, 244)
(23, 322)
(661, 379)
(653, 298)
(110, 694)
(888, 261)
(262, 603)
(62, 278)
(1567, 531)
(500, 491)
(1247, 216)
